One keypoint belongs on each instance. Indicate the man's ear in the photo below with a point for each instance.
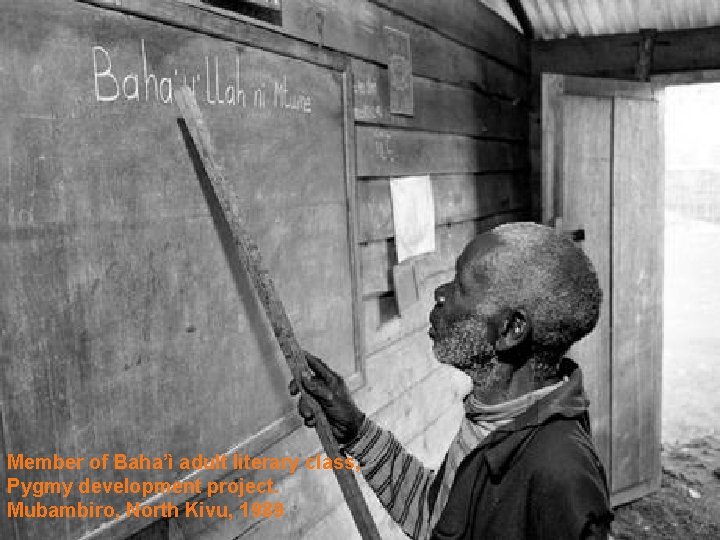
(514, 331)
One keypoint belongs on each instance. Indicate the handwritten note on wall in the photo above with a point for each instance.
(215, 82)
(413, 215)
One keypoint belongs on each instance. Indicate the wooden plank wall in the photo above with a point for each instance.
(695, 53)
(469, 131)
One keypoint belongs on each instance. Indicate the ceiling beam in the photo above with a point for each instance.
(521, 16)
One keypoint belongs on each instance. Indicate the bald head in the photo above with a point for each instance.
(529, 266)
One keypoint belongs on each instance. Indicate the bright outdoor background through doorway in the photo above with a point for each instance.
(691, 363)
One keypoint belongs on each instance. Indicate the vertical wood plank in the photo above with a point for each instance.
(637, 293)
(351, 191)
(8, 528)
(659, 95)
(586, 180)
(552, 87)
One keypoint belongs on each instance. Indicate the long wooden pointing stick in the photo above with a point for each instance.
(260, 277)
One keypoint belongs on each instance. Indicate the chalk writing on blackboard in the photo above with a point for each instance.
(367, 102)
(384, 148)
(215, 83)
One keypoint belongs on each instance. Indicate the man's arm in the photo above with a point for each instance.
(399, 479)
(569, 499)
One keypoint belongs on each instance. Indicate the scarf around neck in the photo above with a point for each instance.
(479, 421)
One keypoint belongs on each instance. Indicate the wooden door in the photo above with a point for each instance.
(603, 173)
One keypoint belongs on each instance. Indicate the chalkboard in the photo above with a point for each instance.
(126, 324)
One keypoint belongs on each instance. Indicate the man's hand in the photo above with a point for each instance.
(332, 394)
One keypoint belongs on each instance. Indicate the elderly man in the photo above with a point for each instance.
(522, 464)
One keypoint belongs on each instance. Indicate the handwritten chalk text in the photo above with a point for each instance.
(216, 83)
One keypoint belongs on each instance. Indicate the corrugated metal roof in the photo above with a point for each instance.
(552, 19)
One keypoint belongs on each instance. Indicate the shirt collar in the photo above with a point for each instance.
(567, 400)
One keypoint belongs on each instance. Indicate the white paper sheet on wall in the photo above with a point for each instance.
(413, 215)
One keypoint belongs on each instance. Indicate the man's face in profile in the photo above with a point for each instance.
(461, 325)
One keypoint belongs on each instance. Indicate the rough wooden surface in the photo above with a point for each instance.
(250, 256)
(126, 326)
(469, 132)
(239, 29)
(383, 324)
(615, 56)
(585, 182)
(356, 27)
(457, 198)
(378, 257)
(603, 173)
(682, 56)
(394, 152)
(399, 399)
(470, 77)
(472, 23)
(637, 294)
(469, 82)
(439, 107)
(398, 56)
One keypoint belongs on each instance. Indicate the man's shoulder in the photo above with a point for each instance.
(566, 481)
(560, 448)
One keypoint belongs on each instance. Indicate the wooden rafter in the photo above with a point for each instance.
(522, 17)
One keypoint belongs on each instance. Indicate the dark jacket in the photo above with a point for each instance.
(538, 477)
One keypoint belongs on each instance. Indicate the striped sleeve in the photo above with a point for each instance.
(399, 479)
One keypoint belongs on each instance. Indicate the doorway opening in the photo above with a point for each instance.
(691, 348)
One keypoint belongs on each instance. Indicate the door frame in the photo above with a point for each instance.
(686, 78)
(554, 86)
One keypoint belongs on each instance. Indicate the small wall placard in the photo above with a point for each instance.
(399, 61)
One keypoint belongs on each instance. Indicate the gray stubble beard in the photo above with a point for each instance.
(466, 347)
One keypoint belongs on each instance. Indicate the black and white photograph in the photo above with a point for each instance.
(359, 269)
